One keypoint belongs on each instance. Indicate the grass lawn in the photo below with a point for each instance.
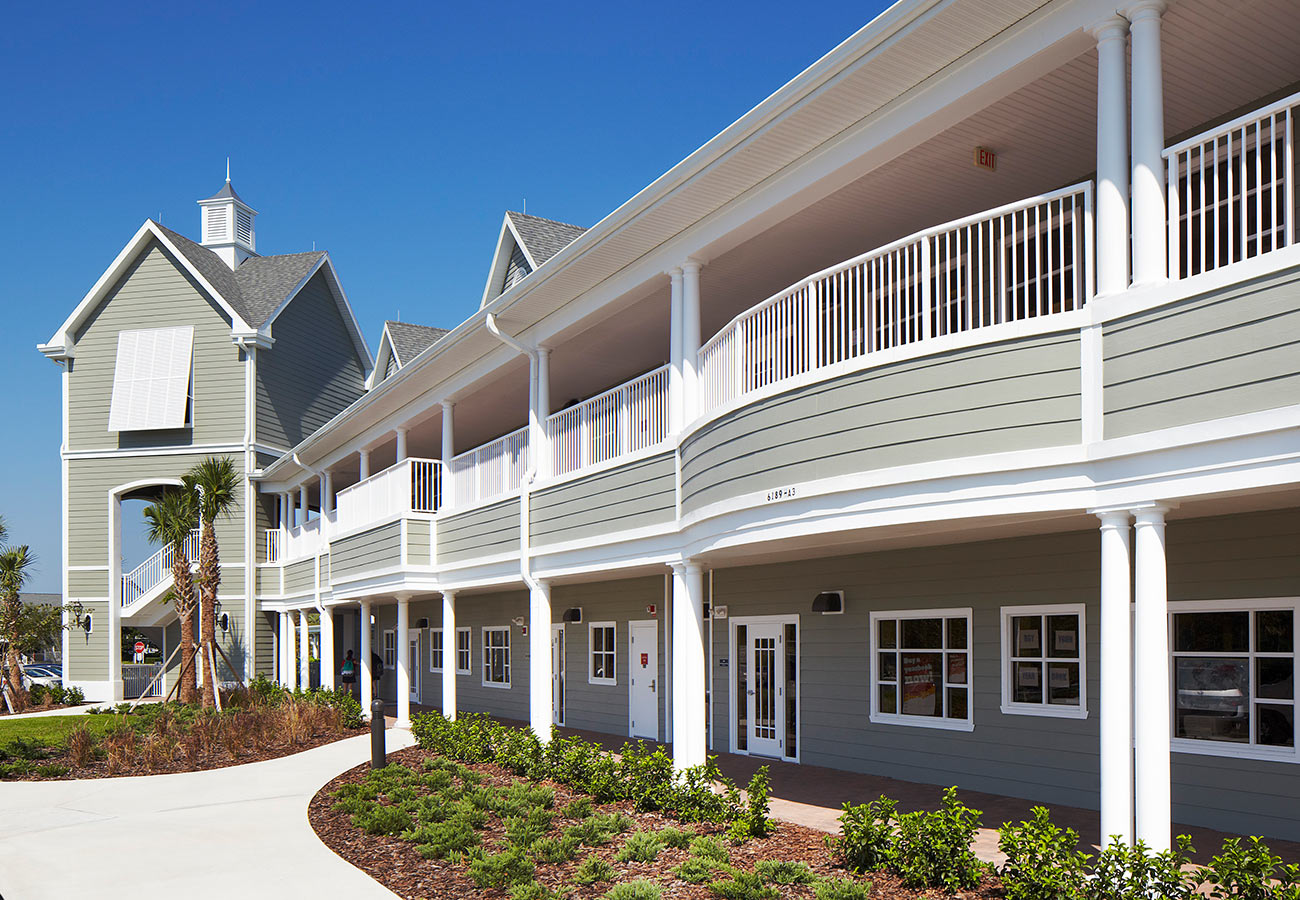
(51, 730)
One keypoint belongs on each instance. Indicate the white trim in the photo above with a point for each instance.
(384, 648)
(732, 650)
(612, 652)
(1062, 711)
(190, 450)
(441, 651)
(631, 670)
(944, 723)
(469, 650)
(501, 260)
(483, 636)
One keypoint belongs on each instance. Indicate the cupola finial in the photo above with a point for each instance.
(227, 170)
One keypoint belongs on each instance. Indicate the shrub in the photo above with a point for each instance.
(378, 819)
(1251, 872)
(555, 849)
(641, 846)
(1043, 861)
(37, 694)
(710, 849)
(1133, 873)
(639, 889)
(523, 831)
(593, 869)
(933, 848)
(677, 838)
(157, 750)
(754, 820)
(531, 890)
(445, 838)
(784, 872)
(743, 886)
(74, 696)
(508, 867)
(81, 746)
(694, 870)
(578, 809)
(842, 889)
(866, 838)
(119, 747)
(53, 770)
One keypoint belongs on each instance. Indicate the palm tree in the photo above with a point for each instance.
(171, 519)
(14, 563)
(217, 485)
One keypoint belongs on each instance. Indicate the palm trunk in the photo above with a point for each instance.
(183, 586)
(209, 581)
(17, 696)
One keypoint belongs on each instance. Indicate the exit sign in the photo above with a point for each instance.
(986, 159)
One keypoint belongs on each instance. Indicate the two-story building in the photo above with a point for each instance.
(939, 418)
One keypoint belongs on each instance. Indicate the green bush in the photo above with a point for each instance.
(1043, 861)
(592, 870)
(444, 838)
(508, 867)
(754, 820)
(523, 831)
(933, 848)
(578, 809)
(382, 820)
(1133, 873)
(694, 870)
(641, 846)
(677, 838)
(866, 839)
(785, 872)
(531, 890)
(639, 889)
(74, 696)
(743, 886)
(842, 889)
(555, 849)
(1251, 872)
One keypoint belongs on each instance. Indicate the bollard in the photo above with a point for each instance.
(378, 756)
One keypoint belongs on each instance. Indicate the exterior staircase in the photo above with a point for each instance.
(153, 577)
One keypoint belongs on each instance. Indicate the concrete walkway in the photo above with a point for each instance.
(241, 832)
(60, 711)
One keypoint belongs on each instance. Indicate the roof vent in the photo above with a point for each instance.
(228, 225)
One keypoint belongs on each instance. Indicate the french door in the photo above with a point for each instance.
(766, 687)
(557, 674)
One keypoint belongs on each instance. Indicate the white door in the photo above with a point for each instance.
(414, 662)
(557, 673)
(643, 679)
(765, 691)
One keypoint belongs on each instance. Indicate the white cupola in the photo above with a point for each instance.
(228, 225)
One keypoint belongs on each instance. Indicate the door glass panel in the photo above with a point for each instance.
(889, 666)
(888, 637)
(1027, 677)
(1211, 698)
(1063, 636)
(1063, 684)
(1275, 678)
(922, 679)
(1276, 724)
(923, 634)
(888, 698)
(1213, 632)
(957, 703)
(791, 689)
(742, 687)
(956, 634)
(957, 668)
(1029, 639)
(765, 688)
(1275, 631)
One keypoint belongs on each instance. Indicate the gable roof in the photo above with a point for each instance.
(539, 239)
(252, 294)
(409, 340)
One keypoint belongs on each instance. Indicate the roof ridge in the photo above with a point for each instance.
(515, 212)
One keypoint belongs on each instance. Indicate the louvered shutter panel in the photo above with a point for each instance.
(151, 379)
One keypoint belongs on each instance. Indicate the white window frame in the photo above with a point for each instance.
(438, 652)
(612, 653)
(944, 723)
(390, 649)
(469, 651)
(488, 648)
(1204, 747)
(1060, 711)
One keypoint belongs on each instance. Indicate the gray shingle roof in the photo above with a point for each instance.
(260, 284)
(226, 192)
(410, 340)
(543, 238)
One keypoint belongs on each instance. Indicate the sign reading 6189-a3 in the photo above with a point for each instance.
(785, 493)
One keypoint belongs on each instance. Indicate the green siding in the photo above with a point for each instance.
(418, 548)
(1015, 395)
(264, 662)
(89, 584)
(300, 577)
(630, 496)
(487, 531)
(1219, 354)
(156, 292)
(354, 556)
(87, 656)
(311, 373)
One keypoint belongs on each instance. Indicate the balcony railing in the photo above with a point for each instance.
(273, 538)
(156, 569)
(1021, 261)
(410, 486)
(625, 419)
(1232, 191)
(489, 471)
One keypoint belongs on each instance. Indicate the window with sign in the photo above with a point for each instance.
(921, 666)
(601, 641)
(1043, 661)
(1234, 677)
(496, 657)
(435, 649)
(462, 651)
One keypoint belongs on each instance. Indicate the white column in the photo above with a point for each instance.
(1112, 155)
(302, 504)
(690, 338)
(326, 492)
(541, 700)
(116, 688)
(328, 674)
(448, 450)
(367, 672)
(403, 661)
(363, 462)
(544, 459)
(676, 417)
(290, 651)
(304, 651)
(1151, 688)
(1150, 228)
(401, 443)
(284, 660)
(1116, 711)
(689, 737)
(449, 654)
(286, 510)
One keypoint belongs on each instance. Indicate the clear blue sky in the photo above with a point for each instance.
(393, 136)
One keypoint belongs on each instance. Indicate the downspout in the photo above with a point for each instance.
(250, 508)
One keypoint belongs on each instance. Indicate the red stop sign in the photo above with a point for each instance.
(139, 646)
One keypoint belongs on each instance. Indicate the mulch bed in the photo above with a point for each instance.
(217, 758)
(397, 864)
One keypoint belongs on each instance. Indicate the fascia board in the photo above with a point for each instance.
(501, 258)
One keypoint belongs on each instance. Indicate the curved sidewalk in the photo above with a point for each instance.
(241, 831)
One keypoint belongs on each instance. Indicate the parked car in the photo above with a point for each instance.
(48, 674)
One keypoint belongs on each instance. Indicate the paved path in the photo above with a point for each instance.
(240, 832)
(61, 711)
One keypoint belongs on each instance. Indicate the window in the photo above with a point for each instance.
(390, 649)
(151, 379)
(601, 641)
(496, 657)
(435, 649)
(1043, 661)
(462, 651)
(921, 663)
(1234, 677)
